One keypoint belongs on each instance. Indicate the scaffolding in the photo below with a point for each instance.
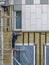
(7, 51)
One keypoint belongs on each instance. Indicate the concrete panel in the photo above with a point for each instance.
(36, 1)
(35, 18)
(44, 18)
(29, 2)
(2, 0)
(17, 7)
(38, 11)
(17, 1)
(44, 8)
(23, 1)
(43, 1)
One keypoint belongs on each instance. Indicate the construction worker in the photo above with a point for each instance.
(14, 38)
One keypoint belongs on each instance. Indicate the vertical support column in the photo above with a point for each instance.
(37, 47)
(43, 37)
(12, 57)
(47, 37)
(11, 18)
(34, 37)
(2, 34)
(40, 48)
(28, 38)
(23, 38)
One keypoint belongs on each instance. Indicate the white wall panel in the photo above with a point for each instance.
(44, 19)
(38, 28)
(48, 11)
(48, 24)
(35, 18)
(38, 24)
(44, 8)
(38, 21)
(27, 22)
(23, 17)
(27, 28)
(23, 1)
(33, 8)
(38, 11)
(36, 1)
(44, 27)
(33, 28)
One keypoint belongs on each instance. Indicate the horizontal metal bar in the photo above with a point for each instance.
(7, 16)
(13, 49)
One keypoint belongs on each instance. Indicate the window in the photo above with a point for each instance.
(43, 1)
(29, 2)
(18, 20)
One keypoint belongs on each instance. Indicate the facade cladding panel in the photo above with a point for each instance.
(17, 1)
(29, 2)
(43, 1)
(17, 7)
(2, 0)
(35, 17)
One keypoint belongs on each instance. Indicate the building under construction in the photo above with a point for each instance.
(30, 18)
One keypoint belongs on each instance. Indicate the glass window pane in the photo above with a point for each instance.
(43, 1)
(29, 2)
(18, 20)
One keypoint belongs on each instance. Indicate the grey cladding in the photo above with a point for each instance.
(17, 1)
(2, 0)
(43, 1)
(29, 2)
(17, 7)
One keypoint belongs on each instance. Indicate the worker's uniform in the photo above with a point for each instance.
(14, 37)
